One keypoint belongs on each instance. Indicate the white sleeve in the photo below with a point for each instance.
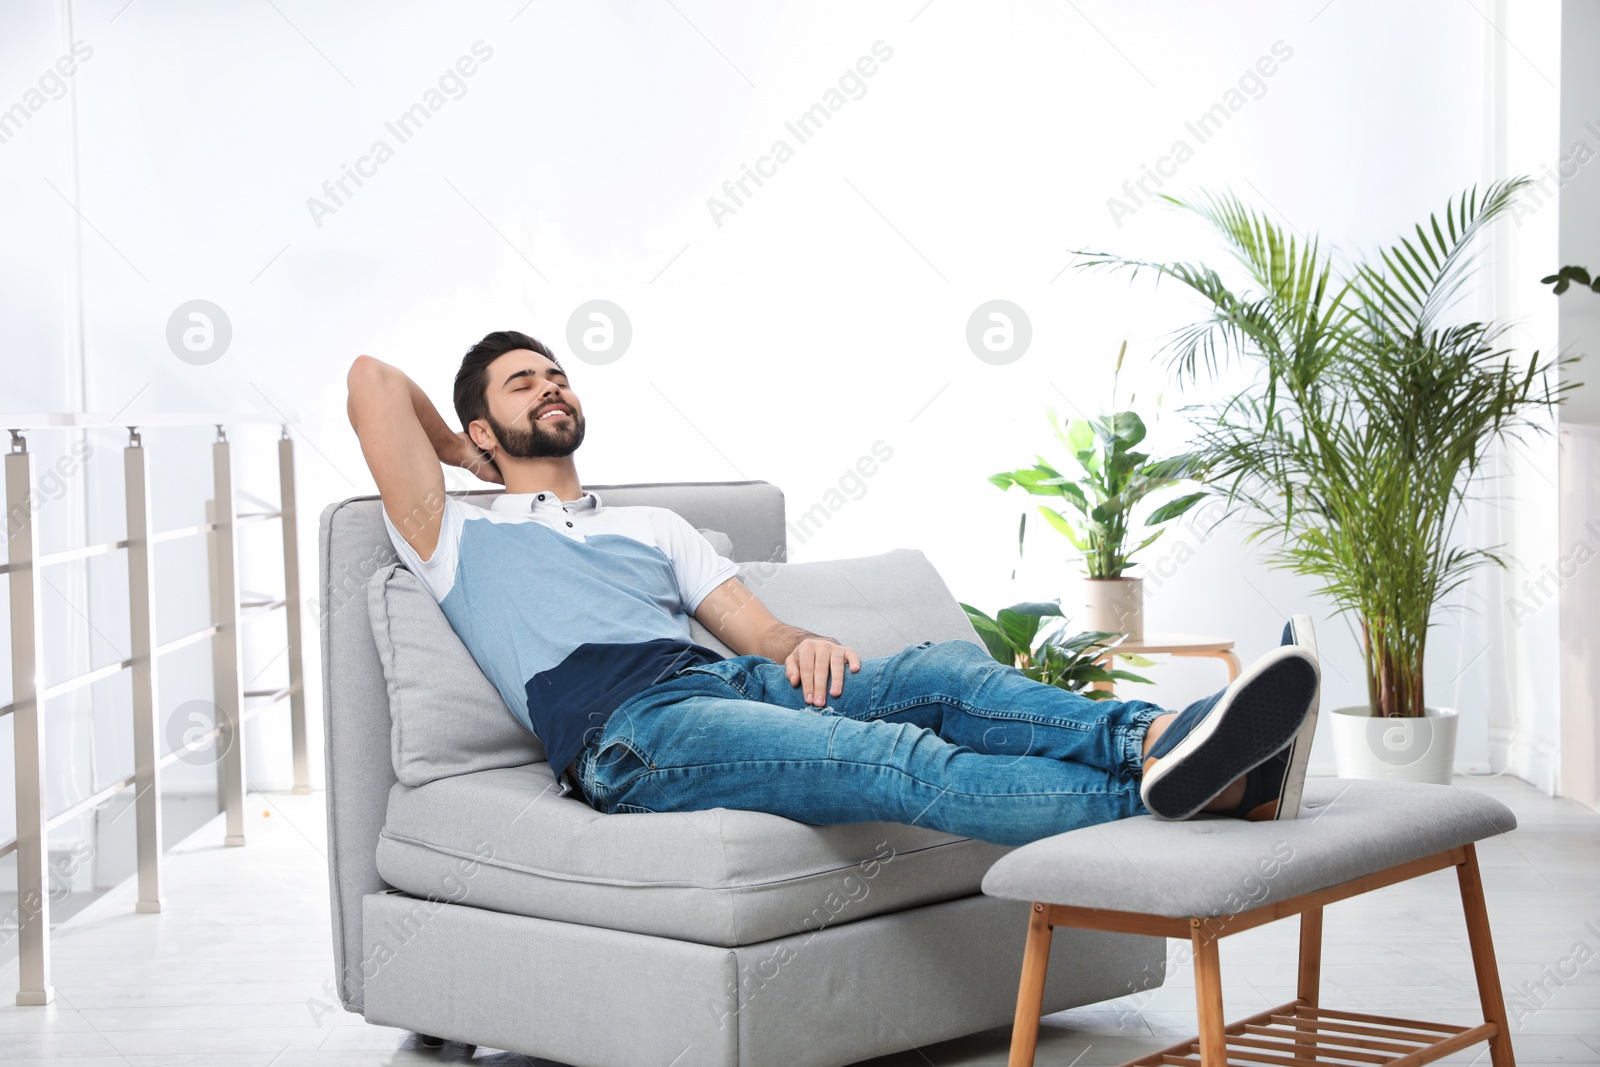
(438, 572)
(694, 560)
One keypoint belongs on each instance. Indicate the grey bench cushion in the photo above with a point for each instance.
(504, 840)
(1214, 865)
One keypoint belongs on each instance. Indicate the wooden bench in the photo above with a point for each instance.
(1206, 878)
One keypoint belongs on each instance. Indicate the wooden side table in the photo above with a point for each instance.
(1201, 645)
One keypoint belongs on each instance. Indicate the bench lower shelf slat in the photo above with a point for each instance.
(1298, 1035)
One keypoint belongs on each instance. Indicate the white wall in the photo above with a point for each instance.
(827, 313)
(1580, 460)
(1512, 632)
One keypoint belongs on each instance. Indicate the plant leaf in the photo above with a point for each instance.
(1172, 509)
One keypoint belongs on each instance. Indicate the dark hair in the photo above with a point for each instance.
(472, 380)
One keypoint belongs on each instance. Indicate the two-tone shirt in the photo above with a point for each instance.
(569, 607)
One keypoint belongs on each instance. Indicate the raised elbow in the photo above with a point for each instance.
(364, 369)
(366, 383)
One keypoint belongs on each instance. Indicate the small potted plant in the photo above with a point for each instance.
(1353, 451)
(1070, 661)
(1113, 478)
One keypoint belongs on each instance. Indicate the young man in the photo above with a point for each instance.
(578, 612)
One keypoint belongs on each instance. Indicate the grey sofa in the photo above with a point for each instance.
(708, 938)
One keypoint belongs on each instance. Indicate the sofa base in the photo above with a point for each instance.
(593, 997)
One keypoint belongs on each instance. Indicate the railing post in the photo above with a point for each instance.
(225, 652)
(291, 608)
(141, 639)
(27, 671)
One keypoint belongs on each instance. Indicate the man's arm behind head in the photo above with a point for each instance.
(404, 440)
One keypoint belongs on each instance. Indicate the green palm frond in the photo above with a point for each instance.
(1420, 279)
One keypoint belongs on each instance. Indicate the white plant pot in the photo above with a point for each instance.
(1113, 604)
(1392, 749)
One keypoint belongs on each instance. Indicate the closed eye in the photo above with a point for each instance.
(524, 379)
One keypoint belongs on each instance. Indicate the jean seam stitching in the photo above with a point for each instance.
(725, 681)
(998, 715)
(699, 767)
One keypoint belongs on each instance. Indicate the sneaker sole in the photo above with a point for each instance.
(1254, 721)
(1302, 634)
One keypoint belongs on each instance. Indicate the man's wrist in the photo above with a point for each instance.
(783, 639)
(457, 451)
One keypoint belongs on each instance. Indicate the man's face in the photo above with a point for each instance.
(532, 410)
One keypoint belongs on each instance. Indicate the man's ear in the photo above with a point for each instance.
(482, 436)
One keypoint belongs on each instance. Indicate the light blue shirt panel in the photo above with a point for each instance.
(525, 596)
(629, 574)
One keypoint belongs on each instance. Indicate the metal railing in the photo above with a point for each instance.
(24, 566)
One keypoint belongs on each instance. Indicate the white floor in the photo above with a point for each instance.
(236, 972)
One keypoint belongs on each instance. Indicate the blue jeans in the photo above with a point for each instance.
(937, 735)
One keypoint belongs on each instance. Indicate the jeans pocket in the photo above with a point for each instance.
(614, 765)
(729, 671)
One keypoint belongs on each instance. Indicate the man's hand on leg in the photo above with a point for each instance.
(813, 661)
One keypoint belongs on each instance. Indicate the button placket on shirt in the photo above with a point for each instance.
(540, 496)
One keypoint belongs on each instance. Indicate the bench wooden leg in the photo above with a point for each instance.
(1483, 963)
(1208, 996)
(1310, 987)
(1030, 996)
(1309, 990)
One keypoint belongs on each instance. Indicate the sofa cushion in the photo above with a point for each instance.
(721, 542)
(505, 840)
(876, 604)
(447, 718)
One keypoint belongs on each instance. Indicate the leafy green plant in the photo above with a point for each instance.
(1353, 452)
(1113, 478)
(1563, 278)
(1065, 660)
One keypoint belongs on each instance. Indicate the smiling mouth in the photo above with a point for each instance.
(553, 414)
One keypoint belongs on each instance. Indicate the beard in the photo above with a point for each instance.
(539, 440)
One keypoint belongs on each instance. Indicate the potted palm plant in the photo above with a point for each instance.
(1113, 477)
(1353, 451)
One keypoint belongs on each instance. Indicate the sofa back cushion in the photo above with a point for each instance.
(719, 541)
(447, 717)
(875, 604)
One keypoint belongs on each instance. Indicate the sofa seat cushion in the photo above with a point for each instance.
(505, 840)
